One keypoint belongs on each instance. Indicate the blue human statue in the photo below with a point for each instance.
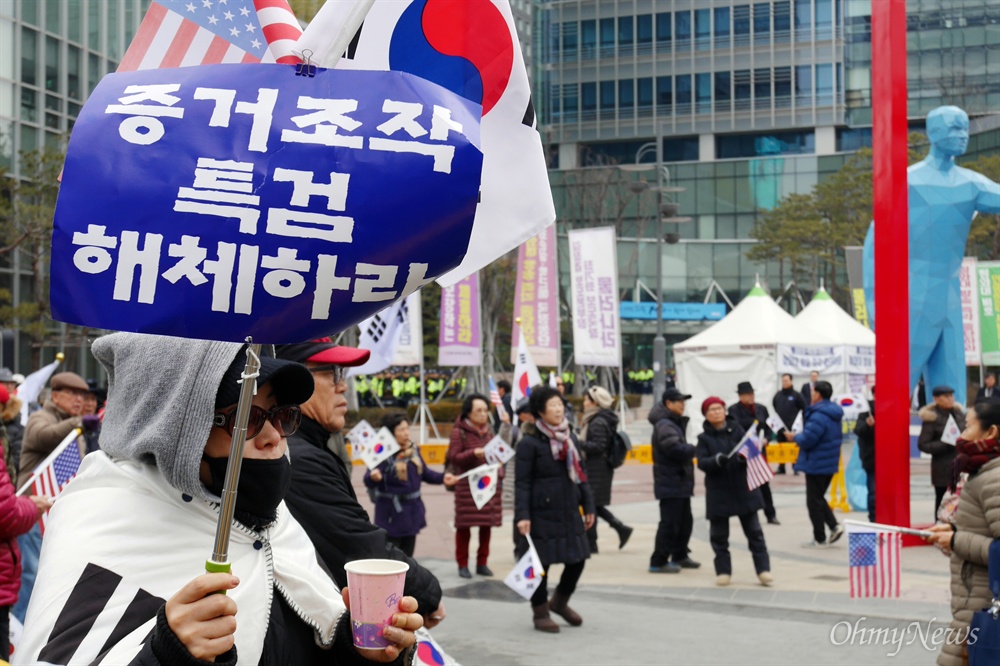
(943, 199)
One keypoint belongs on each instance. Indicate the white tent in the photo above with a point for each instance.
(743, 346)
(823, 314)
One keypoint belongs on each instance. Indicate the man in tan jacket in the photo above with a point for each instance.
(49, 426)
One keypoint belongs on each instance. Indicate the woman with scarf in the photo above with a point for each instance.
(597, 431)
(550, 489)
(396, 486)
(118, 579)
(466, 451)
(968, 532)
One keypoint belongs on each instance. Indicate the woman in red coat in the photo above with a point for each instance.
(17, 516)
(472, 432)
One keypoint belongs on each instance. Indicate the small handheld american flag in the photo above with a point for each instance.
(495, 394)
(758, 471)
(874, 562)
(52, 475)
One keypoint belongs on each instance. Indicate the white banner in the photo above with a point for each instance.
(801, 360)
(593, 261)
(860, 360)
(410, 349)
(969, 286)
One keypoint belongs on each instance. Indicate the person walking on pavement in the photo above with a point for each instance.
(744, 413)
(788, 404)
(727, 493)
(934, 418)
(673, 484)
(396, 482)
(321, 496)
(819, 459)
(466, 451)
(551, 492)
(865, 430)
(597, 433)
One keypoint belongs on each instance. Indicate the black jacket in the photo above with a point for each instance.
(322, 499)
(788, 404)
(545, 495)
(726, 492)
(866, 440)
(600, 431)
(934, 419)
(994, 394)
(745, 419)
(673, 466)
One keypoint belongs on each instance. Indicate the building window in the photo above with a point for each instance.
(703, 92)
(722, 27)
(683, 92)
(761, 23)
(94, 26)
(29, 14)
(626, 28)
(607, 33)
(52, 64)
(569, 41)
(93, 72)
(644, 29)
(782, 87)
(52, 17)
(114, 46)
(664, 91)
(680, 149)
(571, 100)
(74, 73)
(741, 25)
(29, 105)
(29, 57)
(824, 19)
(607, 95)
(803, 20)
(703, 29)
(663, 31)
(588, 39)
(645, 86)
(803, 85)
(782, 20)
(588, 96)
(762, 87)
(626, 95)
(723, 94)
(824, 85)
(74, 22)
(741, 88)
(682, 28)
(761, 145)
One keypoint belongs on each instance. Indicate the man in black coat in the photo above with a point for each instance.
(788, 404)
(321, 496)
(503, 389)
(989, 391)
(865, 430)
(673, 484)
(744, 413)
(809, 387)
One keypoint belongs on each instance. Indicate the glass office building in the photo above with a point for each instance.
(52, 55)
(752, 101)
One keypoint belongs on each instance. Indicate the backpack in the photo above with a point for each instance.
(619, 448)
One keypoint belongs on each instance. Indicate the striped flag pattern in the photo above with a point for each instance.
(52, 475)
(185, 33)
(874, 562)
(495, 394)
(758, 471)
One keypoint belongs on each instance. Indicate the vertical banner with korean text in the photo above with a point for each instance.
(536, 299)
(970, 310)
(988, 286)
(410, 348)
(594, 279)
(459, 341)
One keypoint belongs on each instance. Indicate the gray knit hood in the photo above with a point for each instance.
(161, 398)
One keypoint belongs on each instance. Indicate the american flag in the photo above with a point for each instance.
(495, 394)
(874, 562)
(758, 471)
(183, 33)
(50, 477)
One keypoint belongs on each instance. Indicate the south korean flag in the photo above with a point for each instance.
(498, 451)
(527, 574)
(483, 482)
(362, 439)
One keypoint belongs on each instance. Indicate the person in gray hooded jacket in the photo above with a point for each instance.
(119, 575)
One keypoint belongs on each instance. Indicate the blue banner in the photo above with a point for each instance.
(673, 311)
(231, 200)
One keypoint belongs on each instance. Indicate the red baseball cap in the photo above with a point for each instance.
(323, 350)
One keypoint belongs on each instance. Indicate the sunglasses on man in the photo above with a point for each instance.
(284, 418)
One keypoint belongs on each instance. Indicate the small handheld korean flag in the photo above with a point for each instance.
(361, 437)
(527, 573)
(797, 425)
(498, 451)
(951, 431)
(775, 423)
(384, 446)
(483, 484)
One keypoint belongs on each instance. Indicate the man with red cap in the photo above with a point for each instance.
(321, 496)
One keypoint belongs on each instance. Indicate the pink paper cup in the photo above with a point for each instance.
(374, 588)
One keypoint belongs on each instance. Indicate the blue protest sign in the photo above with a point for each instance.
(231, 200)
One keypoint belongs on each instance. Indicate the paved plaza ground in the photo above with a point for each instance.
(634, 617)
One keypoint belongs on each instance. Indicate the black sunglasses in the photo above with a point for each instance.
(285, 419)
(339, 372)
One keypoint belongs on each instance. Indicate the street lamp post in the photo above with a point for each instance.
(666, 212)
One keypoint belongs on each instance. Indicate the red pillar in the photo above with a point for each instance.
(892, 302)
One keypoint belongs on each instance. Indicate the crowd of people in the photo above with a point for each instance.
(298, 521)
